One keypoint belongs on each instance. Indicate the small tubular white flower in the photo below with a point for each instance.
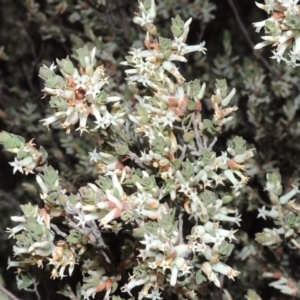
(20, 250)
(230, 176)
(296, 46)
(263, 213)
(174, 274)
(49, 120)
(229, 234)
(171, 68)
(285, 198)
(151, 242)
(13, 231)
(284, 285)
(225, 270)
(16, 264)
(46, 246)
(259, 25)
(17, 166)
(81, 82)
(220, 217)
(206, 268)
(262, 44)
(18, 219)
(72, 117)
(82, 122)
(199, 48)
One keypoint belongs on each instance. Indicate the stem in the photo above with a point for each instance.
(180, 225)
(36, 291)
(8, 293)
(198, 138)
(212, 144)
(183, 151)
(250, 42)
(58, 231)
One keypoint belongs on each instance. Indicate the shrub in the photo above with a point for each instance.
(141, 194)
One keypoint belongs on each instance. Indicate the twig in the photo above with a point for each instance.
(212, 144)
(8, 293)
(36, 290)
(95, 238)
(58, 231)
(198, 138)
(249, 40)
(136, 159)
(72, 295)
(183, 151)
(125, 26)
(180, 225)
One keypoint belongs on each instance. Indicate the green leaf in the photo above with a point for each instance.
(52, 82)
(165, 44)
(30, 210)
(188, 136)
(200, 277)
(222, 86)
(177, 26)
(45, 73)
(226, 248)
(122, 149)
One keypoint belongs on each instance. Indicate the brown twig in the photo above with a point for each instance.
(180, 225)
(95, 238)
(58, 231)
(72, 295)
(198, 138)
(209, 148)
(249, 40)
(183, 152)
(3, 290)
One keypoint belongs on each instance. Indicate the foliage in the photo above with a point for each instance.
(153, 187)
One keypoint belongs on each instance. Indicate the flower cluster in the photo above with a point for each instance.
(28, 157)
(282, 30)
(78, 93)
(285, 214)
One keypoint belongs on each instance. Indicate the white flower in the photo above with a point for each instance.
(225, 270)
(220, 217)
(15, 230)
(94, 90)
(17, 166)
(284, 286)
(169, 118)
(155, 295)
(199, 48)
(151, 242)
(143, 20)
(52, 67)
(101, 122)
(94, 156)
(185, 188)
(206, 268)
(136, 54)
(178, 44)
(81, 81)
(226, 233)
(285, 198)
(82, 122)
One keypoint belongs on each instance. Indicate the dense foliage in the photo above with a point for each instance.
(154, 149)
